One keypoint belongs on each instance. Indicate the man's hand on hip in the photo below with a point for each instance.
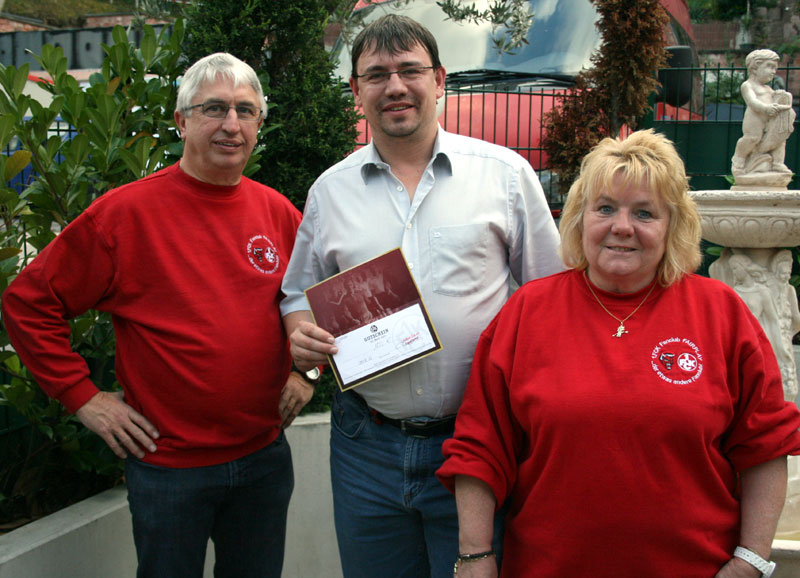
(120, 426)
(295, 395)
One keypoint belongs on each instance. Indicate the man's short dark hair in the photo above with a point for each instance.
(393, 34)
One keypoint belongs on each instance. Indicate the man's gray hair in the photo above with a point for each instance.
(209, 68)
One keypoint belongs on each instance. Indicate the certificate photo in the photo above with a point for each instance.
(376, 314)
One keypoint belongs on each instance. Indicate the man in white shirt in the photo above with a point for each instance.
(471, 219)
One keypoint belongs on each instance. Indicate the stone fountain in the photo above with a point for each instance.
(755, 221)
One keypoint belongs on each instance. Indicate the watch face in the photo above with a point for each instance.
(313, 374)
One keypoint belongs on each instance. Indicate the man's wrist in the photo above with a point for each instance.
(312, 376)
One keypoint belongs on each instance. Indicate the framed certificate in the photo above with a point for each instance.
(376, 314)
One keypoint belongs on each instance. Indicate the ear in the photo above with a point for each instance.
(354, 89)
(180, 121)
(439, 76)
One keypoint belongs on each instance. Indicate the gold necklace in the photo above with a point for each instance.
(621, 329)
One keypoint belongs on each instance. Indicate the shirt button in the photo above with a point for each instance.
(408, 226)
(419, 391)
(400, 188)
(411, 266)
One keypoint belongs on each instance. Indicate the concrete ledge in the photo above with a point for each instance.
(787, 554)
(90, 539)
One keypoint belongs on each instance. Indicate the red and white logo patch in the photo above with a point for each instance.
(677, 360)
(262, 254)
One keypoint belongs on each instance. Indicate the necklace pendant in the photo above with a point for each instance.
(620, 330)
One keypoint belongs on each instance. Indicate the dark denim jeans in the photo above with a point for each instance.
(393, 517)
(241, 505)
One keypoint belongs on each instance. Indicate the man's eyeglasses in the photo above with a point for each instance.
(410, 74)
(220, 110)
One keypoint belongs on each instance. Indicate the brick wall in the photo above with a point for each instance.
(110, 20)
(715, 36)
(14, 25)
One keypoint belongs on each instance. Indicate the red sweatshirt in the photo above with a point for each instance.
(620, 457)
(191, 274)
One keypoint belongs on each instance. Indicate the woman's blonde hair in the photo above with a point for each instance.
(643, 158)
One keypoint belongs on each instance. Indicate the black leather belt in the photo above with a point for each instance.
(417, 429)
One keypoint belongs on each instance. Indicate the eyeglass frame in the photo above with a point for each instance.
(388, 73)
(259, 116)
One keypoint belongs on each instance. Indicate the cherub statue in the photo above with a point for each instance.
(768, 120)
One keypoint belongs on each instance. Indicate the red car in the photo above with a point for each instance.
(501, 97)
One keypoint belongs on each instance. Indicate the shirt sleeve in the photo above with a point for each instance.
(534, 242)
(487, 439)
(71, 275)
(300, 271)
(765, 426)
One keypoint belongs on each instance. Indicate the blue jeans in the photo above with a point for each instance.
(393, 517)
(241, 505)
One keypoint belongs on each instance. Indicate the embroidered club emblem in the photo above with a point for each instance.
(262, 254)
(677, 361)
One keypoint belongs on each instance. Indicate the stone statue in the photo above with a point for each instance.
(768, 122)
(749, 283)
(785, 298)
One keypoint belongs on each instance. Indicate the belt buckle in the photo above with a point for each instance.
(411, 429)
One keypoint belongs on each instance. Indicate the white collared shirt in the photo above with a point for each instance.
(478, 219)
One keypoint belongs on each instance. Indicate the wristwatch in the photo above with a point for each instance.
(766, 567)
(312, 376)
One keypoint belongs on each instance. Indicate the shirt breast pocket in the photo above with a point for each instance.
(459, 258)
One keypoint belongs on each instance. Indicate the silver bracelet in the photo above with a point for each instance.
(471, 558)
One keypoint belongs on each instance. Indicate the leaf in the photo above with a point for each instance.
(77, 150)
(119, 35)
(132, 162)
(20, 79)
(8, 252)
(16, 163)
(80, 326)
(148, 45)
(6, 130)
(113, 85)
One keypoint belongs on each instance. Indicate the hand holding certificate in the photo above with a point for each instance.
(376, 314)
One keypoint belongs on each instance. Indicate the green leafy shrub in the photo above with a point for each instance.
(121, 130)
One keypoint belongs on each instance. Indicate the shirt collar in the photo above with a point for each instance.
(371, 163)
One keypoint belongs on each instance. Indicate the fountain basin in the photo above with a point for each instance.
(750, 218)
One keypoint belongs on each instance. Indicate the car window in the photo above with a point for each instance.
(560, 42)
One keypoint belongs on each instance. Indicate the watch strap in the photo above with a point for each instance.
(766, 567)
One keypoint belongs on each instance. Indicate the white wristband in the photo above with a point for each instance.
(766, 567)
